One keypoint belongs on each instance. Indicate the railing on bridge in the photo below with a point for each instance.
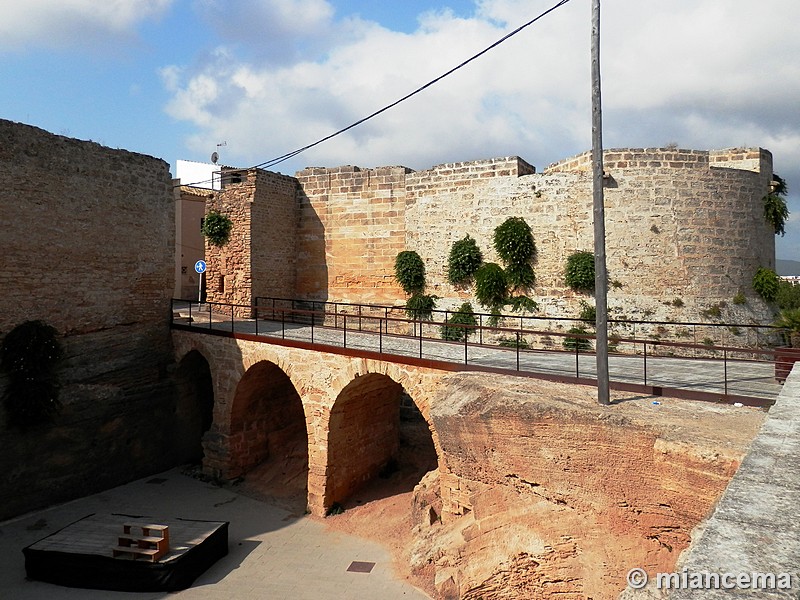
(705, 371)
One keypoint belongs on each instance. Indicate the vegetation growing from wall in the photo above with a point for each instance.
(775, 210)
(576, 343)
(766, 284)
(420, 306)
(588, 313)
(28, 355)
(491, 286)
(579, 272)
(464, 260)
(463, 316)
(513, 241)
(217, 228)
(409, 271)
(788, 296)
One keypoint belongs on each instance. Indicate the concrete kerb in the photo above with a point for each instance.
(753, 528)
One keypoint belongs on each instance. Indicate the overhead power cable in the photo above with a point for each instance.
(284, 157)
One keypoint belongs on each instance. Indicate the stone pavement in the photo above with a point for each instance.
(273, 554)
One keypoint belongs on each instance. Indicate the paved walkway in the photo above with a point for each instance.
(273, 554)
(754, 526)
(753, 378)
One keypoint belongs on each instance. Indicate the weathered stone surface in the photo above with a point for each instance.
(87, 247)
(559, 496)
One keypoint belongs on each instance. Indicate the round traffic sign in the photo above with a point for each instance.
(200, 266)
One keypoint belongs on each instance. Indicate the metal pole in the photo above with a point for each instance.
(725, 366)
(600, 277)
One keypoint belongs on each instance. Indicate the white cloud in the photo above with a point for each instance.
(701, 73)
(50, 23)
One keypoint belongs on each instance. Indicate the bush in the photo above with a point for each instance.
(491, 286)
(29, 354)
(789, 320)
(409, 271)
(217, 228)
(579, 272)
(513, 241)
(465, 258)
(788, 295)
(766, 283)
(523, 303)
(775, 210)
(463, 316)
(581, 344)
(588, 313)
(514, 342)
(420, 307)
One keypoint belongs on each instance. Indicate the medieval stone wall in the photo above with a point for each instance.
(87, 247)
(685, 228)
(352, 226)
(685, 231)
(260, 257)
(679, 224)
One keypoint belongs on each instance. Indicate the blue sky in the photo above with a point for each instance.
(174, 78)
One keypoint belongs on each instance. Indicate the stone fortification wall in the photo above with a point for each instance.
(260, 257)
(352, 225)
(685, 231)
(679, 224)
(88, 247)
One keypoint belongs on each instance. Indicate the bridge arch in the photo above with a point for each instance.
(375, 429)
(194, 406)
(267, 429)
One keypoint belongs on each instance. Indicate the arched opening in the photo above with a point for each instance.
(194, 407)
(268, 438)
(379, 444)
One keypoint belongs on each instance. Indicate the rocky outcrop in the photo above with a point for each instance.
(547, 494)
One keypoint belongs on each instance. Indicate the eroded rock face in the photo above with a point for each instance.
(547, 494)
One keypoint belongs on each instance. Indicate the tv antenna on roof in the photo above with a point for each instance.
(214, 157)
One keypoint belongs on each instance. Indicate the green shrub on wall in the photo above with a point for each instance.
(465, 258)
(217, 228)
(28, 355)
(491, 286)
(579, 272)
(420, 307)
(409, 271)
(513, 241)
(766, 284)
(575, 343)
(775, 210)
(463, 316)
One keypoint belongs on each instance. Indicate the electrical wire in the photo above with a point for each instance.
(284, 157)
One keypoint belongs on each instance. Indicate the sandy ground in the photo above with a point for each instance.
(380, 512)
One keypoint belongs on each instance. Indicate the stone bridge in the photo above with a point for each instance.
(533, 474)
(262, 399)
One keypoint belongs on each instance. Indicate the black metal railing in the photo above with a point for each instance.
(732, 372)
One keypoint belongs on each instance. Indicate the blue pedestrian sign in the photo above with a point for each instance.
(200, 266)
